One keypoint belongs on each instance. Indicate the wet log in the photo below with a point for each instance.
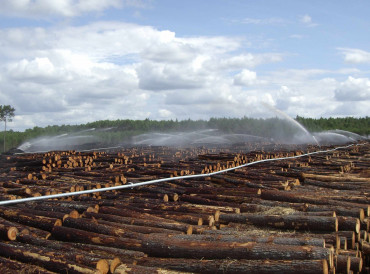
(145, 219)
(95, 226)
(237, 266)
(296, 222)
(13, 266)
(133, 268)
(275, 239)
(44, 223)
(76, 235)
(8, 233)
(169, 247)
(34, 255)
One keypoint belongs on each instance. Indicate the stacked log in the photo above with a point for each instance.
(309, 214)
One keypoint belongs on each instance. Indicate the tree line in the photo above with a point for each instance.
(120, 131)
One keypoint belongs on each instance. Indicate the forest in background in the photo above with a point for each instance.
(121, 131)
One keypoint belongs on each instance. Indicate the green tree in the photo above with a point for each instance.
(6, 115)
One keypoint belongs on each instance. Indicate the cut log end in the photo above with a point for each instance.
(12, 233)
(103, 266)
(114, 264)
(325, 268)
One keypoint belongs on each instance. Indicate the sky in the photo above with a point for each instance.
(79, 61)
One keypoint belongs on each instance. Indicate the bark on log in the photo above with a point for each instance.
(31, 254)
(81, 236)
(238, 266)
(13, 266)
(296, 222)
(169, 247)
(8, 233)
(44, 223)
(275, 239)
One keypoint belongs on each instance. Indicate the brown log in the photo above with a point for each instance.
(348, 224)
(77, 235)
(356, 264)
(95, 226)
(275, 239)
(44, 223)
(237, 266)
(169, 247)
(146, 219)
(34, 255)
(8, 232)
(296, 222)
(12, 266)
(342, 263)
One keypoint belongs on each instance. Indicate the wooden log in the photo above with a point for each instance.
(81, 236)
(8, 232)
(356, 264)
(146, 219)
(275, 239)
(13, 266)
(44, 223)
(169, 247)
(348, 224)
(237, 266)
(94, 226)
(296, 222)
(342, 263)
(33, 255)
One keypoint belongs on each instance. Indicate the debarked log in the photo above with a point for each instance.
(296, 222)
(168, 247)
(238, 266)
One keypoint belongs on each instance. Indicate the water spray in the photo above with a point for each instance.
(133, 185)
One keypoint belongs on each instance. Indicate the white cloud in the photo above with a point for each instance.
(355, 56)
(307, 20)
(245, 78)
(67, 8)
(354, 89)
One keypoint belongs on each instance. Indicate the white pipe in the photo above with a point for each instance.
(132, 185)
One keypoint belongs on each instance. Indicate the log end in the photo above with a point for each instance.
(114, 264)
(12, 233)
(189, 231)
(325, 268)
(103, 266)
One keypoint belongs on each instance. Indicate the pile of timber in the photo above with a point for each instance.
(304, 215)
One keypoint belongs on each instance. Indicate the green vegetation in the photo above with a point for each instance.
(6, 115)
(118, 131)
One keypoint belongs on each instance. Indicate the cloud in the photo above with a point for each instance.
(245, 78)
(353, 89)
(355, 56)
(307, 20)
(64, 8)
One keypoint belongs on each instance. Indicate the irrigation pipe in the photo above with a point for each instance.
(132, 185)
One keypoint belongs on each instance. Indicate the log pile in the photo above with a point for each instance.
(302, 215)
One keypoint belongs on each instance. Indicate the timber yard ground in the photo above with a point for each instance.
(302, 215)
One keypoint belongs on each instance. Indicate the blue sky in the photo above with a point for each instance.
(75, 61)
